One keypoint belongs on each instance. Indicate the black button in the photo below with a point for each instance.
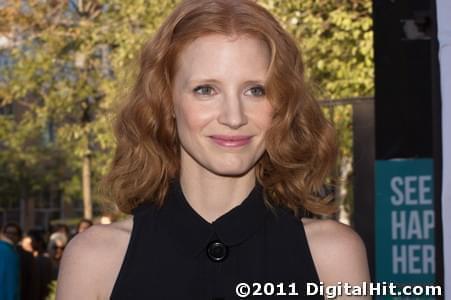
(217, 251)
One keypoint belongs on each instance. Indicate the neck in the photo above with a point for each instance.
(212, 195)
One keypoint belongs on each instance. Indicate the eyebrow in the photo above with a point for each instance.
(212, 80)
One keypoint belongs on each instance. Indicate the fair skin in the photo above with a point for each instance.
(26, 244)
(218, 90)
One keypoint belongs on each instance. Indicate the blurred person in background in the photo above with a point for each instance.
(13, 231)
(57, 243)
(35, 243)
(26, 244)
(9, 269)
(62, 228)
(83, 225)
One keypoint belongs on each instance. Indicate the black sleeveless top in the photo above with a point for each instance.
(174, 253)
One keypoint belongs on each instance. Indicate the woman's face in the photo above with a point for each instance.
(220, 105)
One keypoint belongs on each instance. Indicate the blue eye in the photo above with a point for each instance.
(257, 91)
(203, 90)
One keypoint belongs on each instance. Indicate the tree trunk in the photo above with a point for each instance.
(344, 214)
(87, 201)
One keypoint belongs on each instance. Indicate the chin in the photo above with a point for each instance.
(233, 169)
(230, 173)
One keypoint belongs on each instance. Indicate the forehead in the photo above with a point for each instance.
(11, 229)
(217, 55)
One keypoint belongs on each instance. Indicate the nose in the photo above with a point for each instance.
(232, 113)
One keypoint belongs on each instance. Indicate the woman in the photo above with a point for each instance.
(221, 149)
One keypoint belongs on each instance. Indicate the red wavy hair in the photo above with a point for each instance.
(300, 145)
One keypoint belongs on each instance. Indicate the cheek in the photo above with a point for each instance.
(263, 117)
(192, 117)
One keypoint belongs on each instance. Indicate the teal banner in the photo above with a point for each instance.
(405, 249)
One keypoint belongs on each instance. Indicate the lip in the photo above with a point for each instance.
(231, 140)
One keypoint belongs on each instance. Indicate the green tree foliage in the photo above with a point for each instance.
(336, 39)
(70, 61)
(67, 62)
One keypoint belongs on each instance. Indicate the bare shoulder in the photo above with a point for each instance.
(331, 232)
(92, 260)
(338, 252)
